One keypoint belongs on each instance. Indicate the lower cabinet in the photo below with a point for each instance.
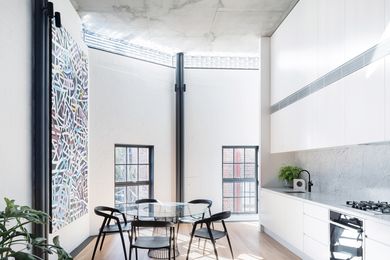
(283, 217)
(376, 250)
(314, 249)
(377, 241)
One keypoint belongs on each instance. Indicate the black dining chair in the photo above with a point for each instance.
(210, 233)
(140, 201)
(152, 242)
(192, 219)
(111, 214)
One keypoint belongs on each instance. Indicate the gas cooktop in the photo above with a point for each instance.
(379, 207)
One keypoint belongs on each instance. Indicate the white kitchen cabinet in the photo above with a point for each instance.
(364, 25)
(331, 35)
(364, 105)
(387, 97)
(315, 211)
(292, 127)
(329, 126)
(273, 208)
(375, 250)
(316, 229)
(314, 249)
(294, 51)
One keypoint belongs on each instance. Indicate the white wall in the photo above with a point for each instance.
(222, 107)
(72, 23)
(15, 101)
(131, 102)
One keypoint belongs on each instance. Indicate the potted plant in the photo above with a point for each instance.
(288, 173)
(16, 239)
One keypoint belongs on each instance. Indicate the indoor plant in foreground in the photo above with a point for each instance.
(288, 173)
(16, 240)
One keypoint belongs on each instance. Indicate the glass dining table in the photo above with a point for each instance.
(167, 211)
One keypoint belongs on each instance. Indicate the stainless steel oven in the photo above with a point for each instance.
(346, 237)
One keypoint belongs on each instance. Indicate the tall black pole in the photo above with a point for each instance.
(42, 12)
(180, 89)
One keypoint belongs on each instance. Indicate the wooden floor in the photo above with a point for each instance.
(248, 244)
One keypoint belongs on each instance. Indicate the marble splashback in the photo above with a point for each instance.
(360, 172)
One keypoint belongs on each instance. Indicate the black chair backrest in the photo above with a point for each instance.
(216, 217)
(150, 223)
(146, 201)
(108, 213)
(202, 201)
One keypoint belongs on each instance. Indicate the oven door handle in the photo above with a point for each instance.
(345, 227)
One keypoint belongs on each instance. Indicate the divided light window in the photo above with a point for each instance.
(133, 174)
(240, 170)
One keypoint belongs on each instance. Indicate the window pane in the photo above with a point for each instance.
(120, 155)
(250, 205)
(132, 194)
(144, 155)
(238, 170)
(250, 171)
(120, 195)
(143, 173)
(250, 155)
(250, 189)
(143, 192)
(228, 189)
(238, 155)
(120, 173)
(228, 204)
(239, 204)
(132, 155)
(132, 173)
(227, 155)
(239, 189)
(228, 170)
(121, 207)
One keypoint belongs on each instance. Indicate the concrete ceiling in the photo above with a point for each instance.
(195, 26)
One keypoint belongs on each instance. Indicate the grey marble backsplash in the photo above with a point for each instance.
(360, 172)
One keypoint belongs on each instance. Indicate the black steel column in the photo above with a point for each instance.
(180, 88)
(42, 10)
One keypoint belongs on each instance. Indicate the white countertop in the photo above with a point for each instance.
(333, 202)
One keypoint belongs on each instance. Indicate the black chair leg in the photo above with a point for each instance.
(212, 241)
(192, 236)
(174, 246)
(130, 251)
(123, 245)
(169, 253)
(101, 244)
(136, 254)
(230, 245)
(96, 245)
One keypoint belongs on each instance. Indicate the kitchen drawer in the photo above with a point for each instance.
(378, 232)
(314, 249)
(316, 229)
(315, 211)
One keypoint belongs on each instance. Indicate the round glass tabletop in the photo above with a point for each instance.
(166, 209)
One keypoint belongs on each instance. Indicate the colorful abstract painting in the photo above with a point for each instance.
(69, 130)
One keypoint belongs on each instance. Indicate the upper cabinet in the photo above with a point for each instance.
(331, 35)
(364, 105)
(315, 39)
(364, 25)
(294, 51)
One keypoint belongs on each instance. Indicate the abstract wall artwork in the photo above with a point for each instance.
(69, 130)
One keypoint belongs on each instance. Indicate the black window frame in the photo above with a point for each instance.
(126, 184)
(241, 180)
